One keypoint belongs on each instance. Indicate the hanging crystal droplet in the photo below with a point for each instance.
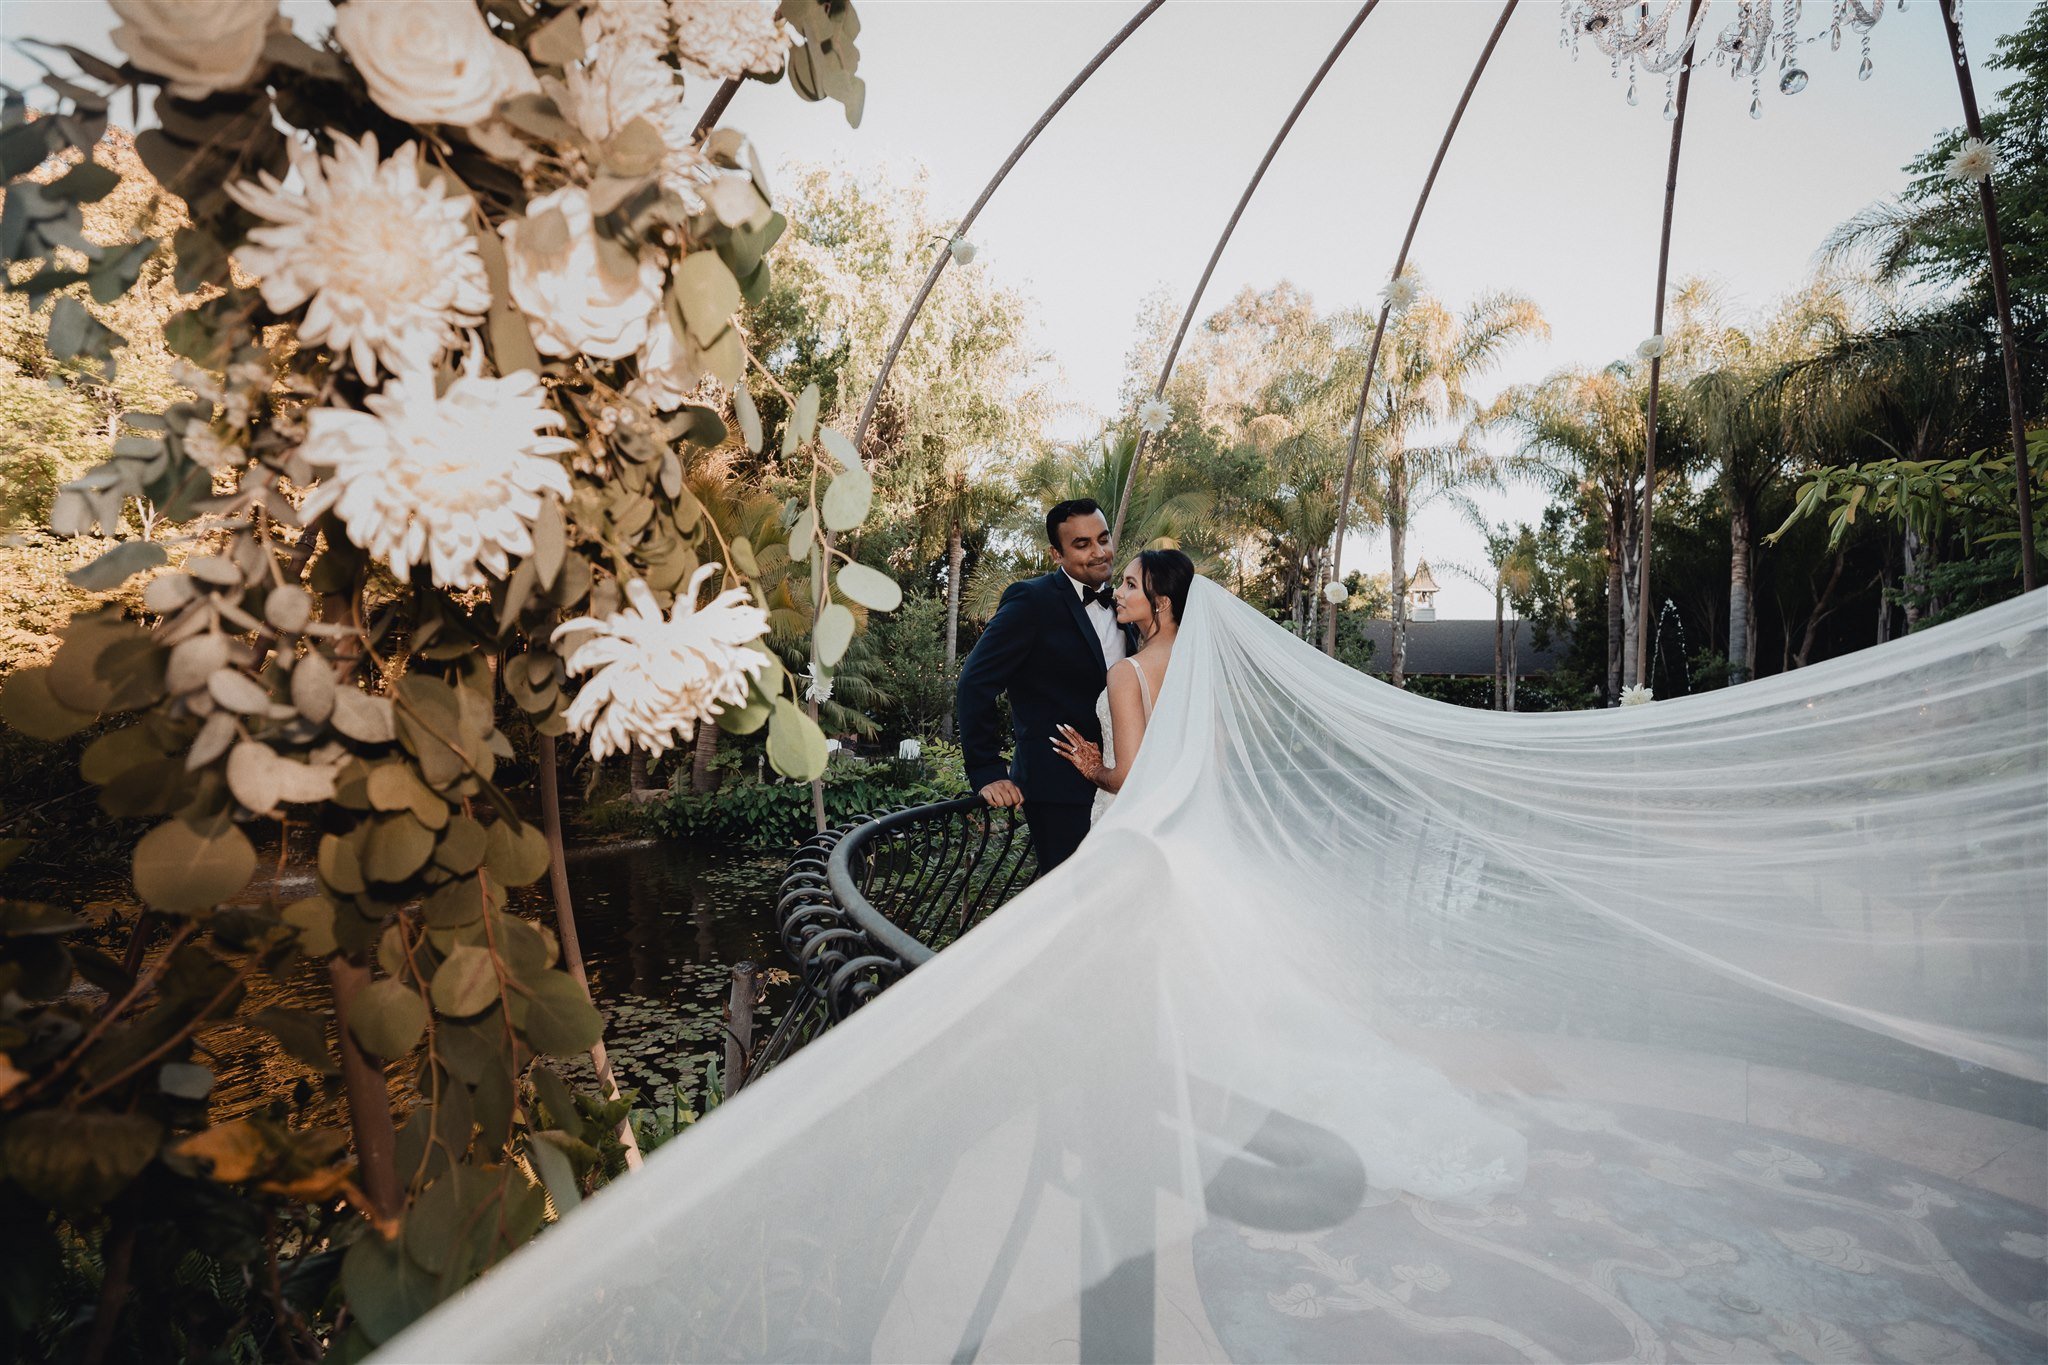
(1863, 71)
(1632, 89)
(1756, 107)
(1792, 82)
(1670, 108)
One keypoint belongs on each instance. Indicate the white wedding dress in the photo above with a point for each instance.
(1104, 798)
(1363, 1027)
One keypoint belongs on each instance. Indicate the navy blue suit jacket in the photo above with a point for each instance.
(1040, 648)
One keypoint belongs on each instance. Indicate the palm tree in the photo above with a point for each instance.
(1510, 575)
(1430, 359)
(962, 492)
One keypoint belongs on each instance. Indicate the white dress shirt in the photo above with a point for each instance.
(1103, 619)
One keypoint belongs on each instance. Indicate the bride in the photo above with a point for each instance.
(1153, 600)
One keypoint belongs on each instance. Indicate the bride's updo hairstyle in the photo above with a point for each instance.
(1166, 576)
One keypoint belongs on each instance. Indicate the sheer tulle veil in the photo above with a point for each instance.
(1366, 1027)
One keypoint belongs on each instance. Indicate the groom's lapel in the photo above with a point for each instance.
(1065, 588)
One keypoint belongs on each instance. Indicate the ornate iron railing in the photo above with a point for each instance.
(864, 904)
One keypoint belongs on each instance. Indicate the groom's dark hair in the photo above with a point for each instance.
(1064, 512)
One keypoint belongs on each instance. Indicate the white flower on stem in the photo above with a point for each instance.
(654, 677)
(198, 46)
(1973, 162)
(817, 684)
(1153, 415)
(580, 299)
(909, 751)
(437, 62)
(1650, 347)
(1399, 293)
(1336, 594)
(672, 368)
(452, 481)
(1637, 695)
(962, 249)
(386, 264)
(722, 40)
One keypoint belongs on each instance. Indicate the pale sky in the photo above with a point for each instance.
(1554, 187)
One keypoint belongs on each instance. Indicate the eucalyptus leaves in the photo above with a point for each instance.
(451, 381)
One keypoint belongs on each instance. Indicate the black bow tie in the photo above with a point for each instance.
(1098, 597)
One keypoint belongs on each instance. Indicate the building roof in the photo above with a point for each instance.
(1459, 648)
(1424, 580)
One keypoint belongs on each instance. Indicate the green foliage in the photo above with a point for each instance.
(750, 812)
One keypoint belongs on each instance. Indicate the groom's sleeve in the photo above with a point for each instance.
(994, 660)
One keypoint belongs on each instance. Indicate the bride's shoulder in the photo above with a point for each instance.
(1123, 675)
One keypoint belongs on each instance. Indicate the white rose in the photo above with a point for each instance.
(435, 61)
(559, 280)
(200, 46)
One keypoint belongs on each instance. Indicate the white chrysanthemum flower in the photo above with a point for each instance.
(654, 677)
(723, 40)
(577, 306)
(1637, 695)
(963, 250)
(386, 264)
(817, 684)
(452, 481)
(1336, 594)
(1973, 162)
(624, 77)
(1399, 293)
(1650, 347)
(1153, 415)
(435, 62)
(200, 46)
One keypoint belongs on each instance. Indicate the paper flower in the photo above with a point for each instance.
(1153, 415)
(199, 46)
(560, 281)
(962, 249)
(1650, 347)
(817, 684)
(1637, 695)
(1399, 293)
(1336, 594)
(452, 481)
(1973, 162)
(723, 40)
(386, 264)
(652, 678)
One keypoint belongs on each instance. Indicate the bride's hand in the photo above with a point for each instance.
(1084, 754)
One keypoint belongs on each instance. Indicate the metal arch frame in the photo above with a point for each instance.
(1187, 317)
(1379, 332)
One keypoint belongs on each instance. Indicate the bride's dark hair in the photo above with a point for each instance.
(1167, 574)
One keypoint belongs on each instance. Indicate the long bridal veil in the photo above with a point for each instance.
(1369, 1028)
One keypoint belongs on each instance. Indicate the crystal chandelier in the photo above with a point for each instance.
(1652, 36)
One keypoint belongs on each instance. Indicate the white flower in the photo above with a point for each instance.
(833, 746)
(1399, 293)
(450, 481)
(1650, 347)
(722, 40)
(1336, 594)
(1974, 161)
(1153, 415)
(962, 249)
(817, 684)
(1636, 696)
(388, 264)
(560, 280)
(433, 62)
(201, 46)
(653, 678)
(623, 77)
(672, 369)
(909, 751)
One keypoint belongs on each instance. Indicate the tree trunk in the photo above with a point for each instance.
(369, 1103)
(1500, 649)
(1514, 659)
(704, 777)
(1315, 598)
(640, 787)
(956, 560)
(1821, 611)
(1631, 610)
(1910, 556)
(1397, 529)
(1741, 532)
(1614, 622)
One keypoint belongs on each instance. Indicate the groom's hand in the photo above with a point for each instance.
(1002, 793)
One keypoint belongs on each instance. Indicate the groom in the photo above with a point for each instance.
(1049, 646)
